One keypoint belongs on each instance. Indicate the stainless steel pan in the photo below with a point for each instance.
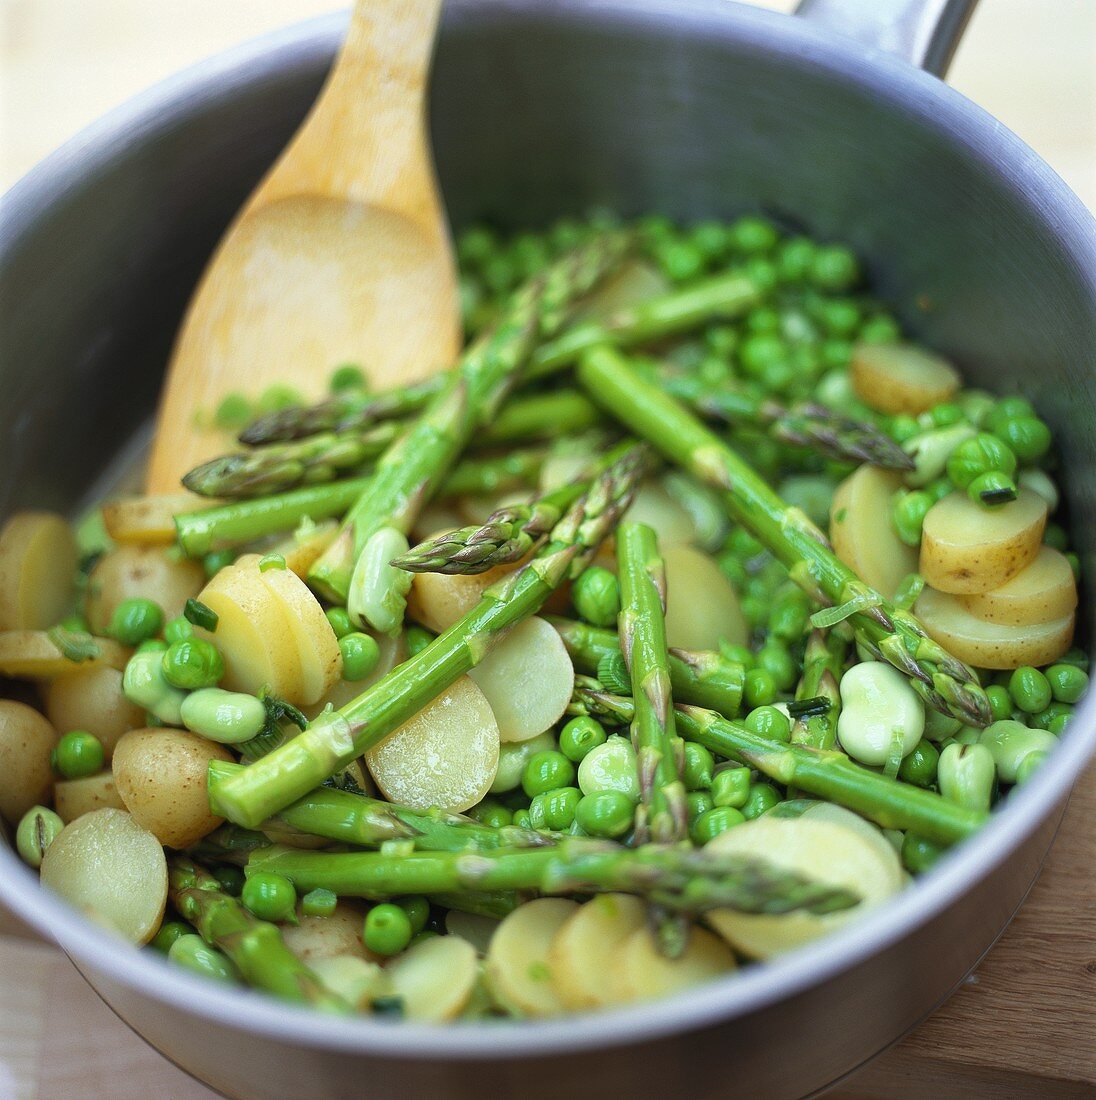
(692, 107)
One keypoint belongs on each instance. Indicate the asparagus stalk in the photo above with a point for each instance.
(542, 416)
(494, 474)
(337, 737)
(255, 946)
(825, 773)
(411, 470)
(823, 662)
(721, 298)
(676, 877)
(889, 633)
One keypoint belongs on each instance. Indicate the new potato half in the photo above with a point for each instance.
(139, 571)
(901, 378)
(1043, 592)
(37, 570)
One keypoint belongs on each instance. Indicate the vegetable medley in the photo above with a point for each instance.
(684, 619)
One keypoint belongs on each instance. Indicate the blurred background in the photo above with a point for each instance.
(1032, 63)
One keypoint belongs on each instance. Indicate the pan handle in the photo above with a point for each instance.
(924, 32)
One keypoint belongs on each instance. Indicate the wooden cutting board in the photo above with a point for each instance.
(1022, 1026)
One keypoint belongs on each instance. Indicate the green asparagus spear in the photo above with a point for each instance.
(676, 877)
(476, 475)
(889, 633)
(255, 946)
(333, 739)
(541, 416)
(411, 470)
(817, 692)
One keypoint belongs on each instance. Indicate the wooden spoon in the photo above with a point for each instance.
(341, 255)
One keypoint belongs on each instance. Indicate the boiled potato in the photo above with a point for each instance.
(473, 927)
(655, 506)
(967, 548)
(112, 870)
(72, 798)
(838, 815)
(987, 644)
(91, 699)
(438, 517)
(357, 982)
(862, 534)
(701, 605)
(26, 741)
(435, 978)
(826, 851)
(518, 969)
(584, 953)
(393, 650)
(302, 549)
(132, 571)
(438, 600)
(33, 655)
(446, 756)
(37, 570)
(475, 510)
(149, 521)
(901, 378)
(632, 282)
(161, 777)
(315, 938)
(643, 973)
(1046, 590)
(253, 633)
(528, 680)
(318, 654)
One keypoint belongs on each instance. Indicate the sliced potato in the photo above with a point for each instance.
(1046, 590)
(160, 775)
(444, 757)
(528, 680)
(901, 378)
(72, 798)
(838, 815)
(823, 850)
(476, 509)
(358, 982)
(32, 655)
(112, 870)
(315, 938)
(633, 282)
(438, 517)
(643, 973)
(132, 571)
(473, 927)
(26, 741)
(393, 650)
(435, 978)
(701, 605)
(862, 534)
(584, 953)
(302, 549)
(253, 633)
(37, 570)
(991, 645)
(518, 971)
(149, 520)
(91, 699)
(967, 548)
(655, 506)
(438, 600)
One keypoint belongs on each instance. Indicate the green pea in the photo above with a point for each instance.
(760, 271)
(946, 414)
(545, 771)
(731, 787)
(1000, 702)
(1028, 437)
(697, 803)
(170, 931)
(75, 624)
(1055, 537)
(651, 228)
(721, 340)
(348, 376)
(231, 878)
(38, 828)
(762, 798)
(79, 754)
(360, 654)
(992, 489)
(795, 259)
(269, 896)
(919, 767)
(1078, 658)
(902, 426)
(178, 630)
(834, 267)
(938, 489)
(711, 239)
(596, 596)
(763, 319)
(475, 245)
(513, 756)
(835, 354)
(555, 809)
(761, 352)
(1053, 717)
(608, 814)
(319, 903)
(340, 622)
(788, 619)
(417, 909)
(1030, 689)
(716, 821)
(880, 329)
(417, 638)
(679, 260)
(230, 717)
(215, 561)
(499, 273)
(193, 663)
(193, 953)
(579, 736)
(919, 854)
(767, 721)
(777, 660)
(387, 929)
(699, 767)
(752, 235)
(1006, 409)
(234, 411)
(135, 620)
(1067, 683)
(978, 455)
(838, 316)
(491, 812)
(760, 688)
(277, 397)
(908, 515)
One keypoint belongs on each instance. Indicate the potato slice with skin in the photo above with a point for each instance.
(584, 953)
(991, 645)
(966, 548)
(701, 605)
(150, 520)
(315, 938)
(92, 699)
(862, 534)
(147, 571)
(1046, 590)
(37, 570)
(438, 600)
(26, 741)
(823, 850)
(160, 775)
(642, 973)
(112, 870)
(518, 970)
(446, 756)
(32, 655)
(435, 978)
(72, 798)
(528, 680)
(901, 378)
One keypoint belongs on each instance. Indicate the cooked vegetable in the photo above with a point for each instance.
(139, 571)
(1046, 590)
(92, 699)
(434, 978)
(38, 828)
(881, 717)
(41, 655)
(643, 973)
(438, 600)
(73, 798)
(313, 938)
(37, 565)
(26, 742)
(148, 521)
(901, 378)
(702, 608)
